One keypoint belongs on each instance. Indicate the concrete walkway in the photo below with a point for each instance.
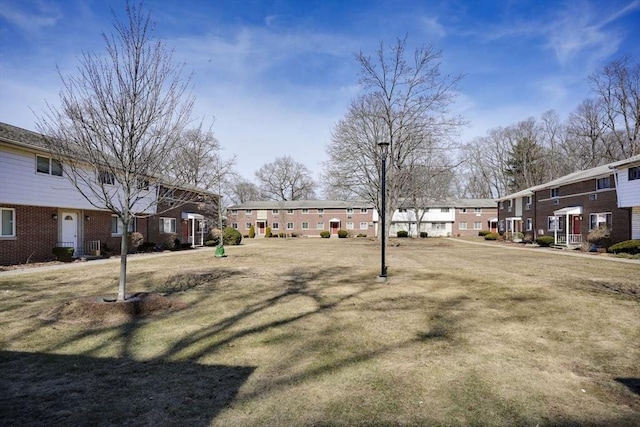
(113, 260)
(563, 252)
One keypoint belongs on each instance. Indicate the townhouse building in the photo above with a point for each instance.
(570, 207)
(304, 217)
(462, 217)
(41, 209)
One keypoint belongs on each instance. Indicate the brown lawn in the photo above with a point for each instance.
(299, 332)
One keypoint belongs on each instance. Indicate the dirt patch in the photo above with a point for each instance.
(101, 310)
(618, 288)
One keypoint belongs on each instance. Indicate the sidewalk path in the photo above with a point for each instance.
(593, 256)
(113, 260)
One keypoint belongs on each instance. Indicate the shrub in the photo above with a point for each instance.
(147, 247)
(252, 232)
(231, 236)
(63, 254)
(293, 234)
(210, 243)
(176, 244)
(213, 236)
(267, 232)
(600, 236)
(402, 233)
(105, 250)
(135, 240)
(491, 236)
(362, 235)
(325, 234)
(343, 234)
(483, 233)
(627, 247)
(186, 246)
(424, 234)
(545, 241)
(281, 235)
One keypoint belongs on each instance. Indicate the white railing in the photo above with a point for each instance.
(93, 247)
(574, 239)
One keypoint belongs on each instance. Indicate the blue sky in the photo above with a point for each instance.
(278, 75)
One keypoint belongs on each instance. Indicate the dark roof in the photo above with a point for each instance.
(298, 204)
(451, 203)
(24, 137)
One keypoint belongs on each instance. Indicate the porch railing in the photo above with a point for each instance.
(574, 239)
(93, 247)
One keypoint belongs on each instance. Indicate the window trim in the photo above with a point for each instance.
(305, 210)
(291, 226)
(477, 225)
(320, 225)
(366, 225)
(305, 225)
(13, 223)
(50, 162)
(608, 220)
(633, 173)
(462, 225)
(605, 181)
(554, 192)
(275, 226)
(171, 221)
(106, 177)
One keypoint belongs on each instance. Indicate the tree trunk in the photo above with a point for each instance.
(124, 247)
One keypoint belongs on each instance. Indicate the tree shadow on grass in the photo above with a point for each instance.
(50, 389)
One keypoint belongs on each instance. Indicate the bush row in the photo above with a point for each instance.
(627, 247)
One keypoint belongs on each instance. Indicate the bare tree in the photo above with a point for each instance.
(285, 179)
(617, 85)
(198, 162)
(241, 190)
(118, 121)
(405, 106)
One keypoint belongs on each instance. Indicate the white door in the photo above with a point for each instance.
(70, 229)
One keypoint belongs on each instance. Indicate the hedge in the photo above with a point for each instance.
(325, 234)
(402, 233)
(627, 247)
(63, 254)
(491, 236)
(545, 241)
(343, 234)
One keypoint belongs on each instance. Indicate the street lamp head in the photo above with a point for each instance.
(383, 144)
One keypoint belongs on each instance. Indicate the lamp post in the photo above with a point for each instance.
(384, 147)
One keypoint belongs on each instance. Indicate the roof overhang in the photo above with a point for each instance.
(493, 219)
(334, 220)
(189, 215)
(572, 210)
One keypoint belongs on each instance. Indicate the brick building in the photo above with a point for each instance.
(40, 208)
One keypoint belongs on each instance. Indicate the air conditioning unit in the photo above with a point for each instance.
(349, 216)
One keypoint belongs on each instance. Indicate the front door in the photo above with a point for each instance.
(261, 228)
(576, 225)
(70, 229)
(334, 227)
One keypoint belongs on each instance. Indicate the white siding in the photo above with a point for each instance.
(635, 223)
(20, 184)
(628, 191)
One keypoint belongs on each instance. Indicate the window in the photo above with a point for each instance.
(275, 211)
(555, 192)
(167, 225)
(320, 226)
(247, 225)
(275, 226)
(349, 210)
(439, 226)
(603, 183)
(290, 226)
(477, 225)
(234, 225)
(501, 204)
(462, 226)
(364, 225)
(593, 197)
(426, 210)
(364, 210)
(48, 165)
(529, 224)
(477, 210)
(634, 173)
(597, 220)
(305, 210)
(290, 211)
(528, 200)
(8, 222)
(463, 210)
(444, 209)
(117, 227)
(106, 177)
(510, 205)
(554, 223)
(234, 211)
(349, 225)
(320, 210)
(248, 212)
(305, 225)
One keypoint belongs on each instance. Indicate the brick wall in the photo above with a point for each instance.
(36, 235)
(578, 194)
(470, 217)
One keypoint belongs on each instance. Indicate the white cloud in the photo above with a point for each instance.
(44, 15)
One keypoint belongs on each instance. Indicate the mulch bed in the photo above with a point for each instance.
(102, 310)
